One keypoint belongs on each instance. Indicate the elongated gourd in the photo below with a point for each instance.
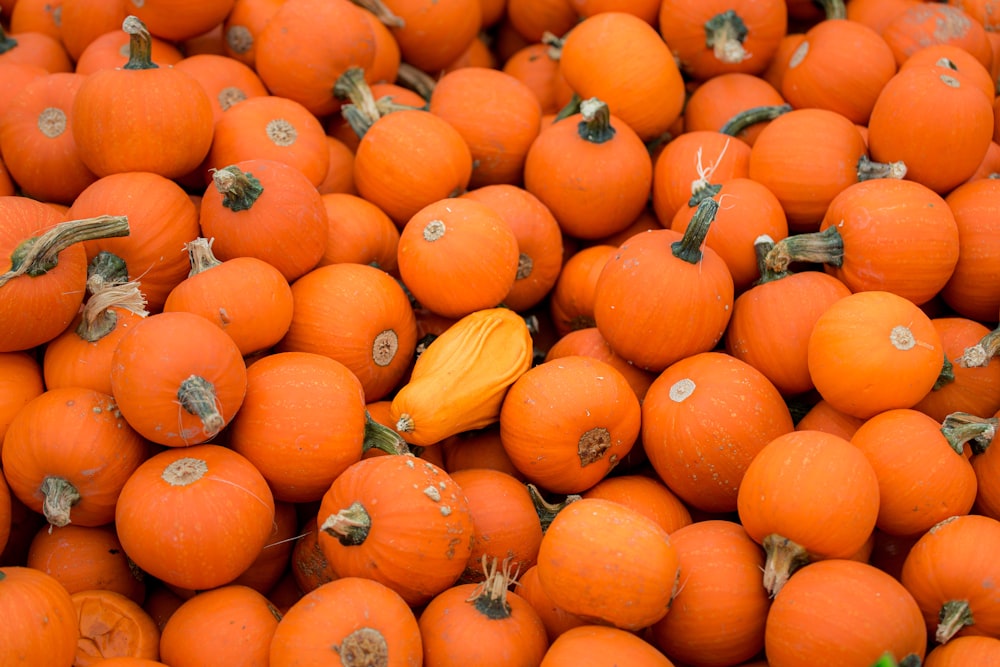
(459, 382)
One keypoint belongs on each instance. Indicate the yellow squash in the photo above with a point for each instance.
(459, 382)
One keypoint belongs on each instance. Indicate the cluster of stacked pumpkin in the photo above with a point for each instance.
(333, 333)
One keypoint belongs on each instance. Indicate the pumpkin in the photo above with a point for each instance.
(946, 110)
(232, 625)
(482, 623)
(566, 423)
(722, 37)
(306, 44)
(688, 165)
(21, 380)
(717, 618)
(242, 26)
(177, 378)
(605, 561)
(459, 382)
(37, 142)
(588, 342)
(591, 170)
(400, 521)
(656, 279)
(960, 388)
(85, 557)
(714, 102)
(340, 172)
(918, 25)
(872, 351)
(83, 21)
(246, 297)
(497, 115)
(922, 478)
(350, 619)
(46, 266)
(359, 232)
(68, 453)
(841, 65)
(971, 650)
(111, 626)
(112, 50)
(506, 526)
(161, 217)
(272, 563)
(357, 315)
(825, 612)
(457, 256)
(81, 355)
(184, 506)
(645, 494)
(571, 303)
(619, 58)
(32, 47)
(533, 65)
(824, 417)
(265, 209)
(270, 127)
(40, 625)
(301, 424)
(531, 19)
(179, 20)
(431, 33)
(956, 601)
(169, 130)
(970, 290)
(475, 449)
(555, 619)
(602, 646)
(227, 81)
(957, 58)
(704, 419)
(310, 568)
(807, 495)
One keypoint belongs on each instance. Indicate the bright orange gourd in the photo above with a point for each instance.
(571, 303)
(601, 646)
(20, 381)
(113, 626)
(40, 624)
(971, 289)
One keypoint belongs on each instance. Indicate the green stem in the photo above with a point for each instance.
(381, 437)
(98, 319)
(752, 116)
(140, 45)
(762, 247)
(688, 249)
(868, 169)
(572, 107)
(960, 428)
(6, 41)
(240, 189)
(946, 376)
(980, 354)
(826, 247)
(725, 34)
(197, 396)
(350, 526)
(416, 80)
(381, 12)
(39, 255)
(547, 511)
(833, 9)
(595, 125)
(954, 615)
(106, 269)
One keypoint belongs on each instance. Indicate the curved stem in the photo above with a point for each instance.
(945, 377)
(868, 169)
(416, 80)
(381, 12)
(954, 615)
(381, 437)
(688, 248)
(200, 256)
(833, 9)
(960, 428)
(783, 558)
(547, 511)
(572, 107)
(762, 246)
(197, 396)
(40, 254)
(140, 45)
(980, 354)
(350, 525)
(97, 319)
(596, 124)
(752, 116)
(826, 247)
(240, 189)
(724, 34)
(6, 41)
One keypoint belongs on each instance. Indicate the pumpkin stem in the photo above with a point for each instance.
(185, 471)
(688, 249)
(104, 270)
(416, 80)
(197, 396)
(363, 647)
(980, 354)
(724, 34)
(825, 247)
(783, 558)
(869, 169)
(946, 376)
(954, 615)
(960, 428)
(592, 446)
(596, 124)
(572, 107)
(382, 437)
(555, 44)
(240, 189)
(350, 525)
(545, 510)
(752, 116)
(40, 254)
(6, 41)
(59, 496)
(200, 255)
(381, 12)
(761, 247)
(490, 597)
(701, 188)
(98, 319)
(833, 9)
(140, 44)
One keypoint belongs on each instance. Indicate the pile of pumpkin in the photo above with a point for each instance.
(499, 332)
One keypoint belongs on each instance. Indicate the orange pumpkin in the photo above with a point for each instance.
(807, 495)
(21, 380)
(601, 646)
(970, 289)
(571, 303)
(714, 102)
(920, 24)
(169, 128)
(971, 650)
(184, 506)
(112, 626)
(400, 521)
(40, 624)
(588, 342)
(359, 232)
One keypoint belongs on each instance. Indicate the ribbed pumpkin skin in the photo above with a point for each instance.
(38, 622)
